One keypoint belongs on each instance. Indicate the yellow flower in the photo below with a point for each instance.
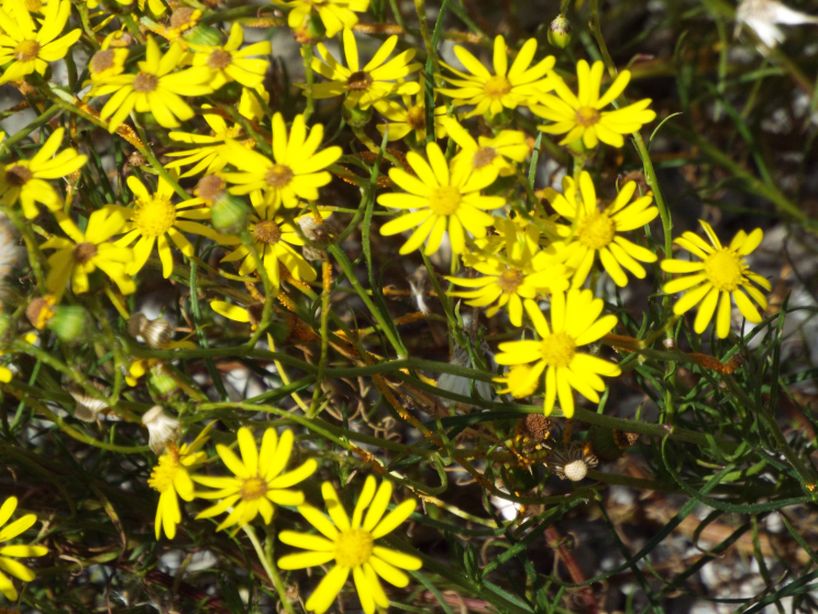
(154, 218)
(407, 115)
(26, 180)
(296, 171)
(83, 252)
(518, 382)
(334, 14)
(513, 279)
(229, 63)
(581, 115)
(30, 46)
(211, 154)
(490, 155)
(721, 278)
(379, 78)
(598, 231)
(172, 479)
(8, 554)
(575, 322)
(275, 241)
(109, 61)
(352, 544)
(259, 482)
(155, 89)
(505, 88)
(443, 196)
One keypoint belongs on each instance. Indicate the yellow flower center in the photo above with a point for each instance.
(510, 280)
(587, 116)
(416, 117)
(145, 82)
(266, 232)
(164, 473)
(359, 81)
(154, 217)
(18, 175)
(557, 349)
(102, 60)
(279, 175)
(219, 59)
(596, 230)
(83, 252)
(253, 488)
(26, 50)
(497, 87)
(353, 547)
(483, 157)
(724, 269)
(444, 200)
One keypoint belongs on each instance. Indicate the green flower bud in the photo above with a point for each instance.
(69, 323)
(559, 32)
(229, 214)
(203, 35)
(163, 382)
(358, 118)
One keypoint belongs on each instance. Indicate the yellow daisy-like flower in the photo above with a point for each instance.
(171, 477)
(295, 173)
(259, 480)
(595, 231)
(154, 218)
(379, 78)
(27, 180)
(407, 115)
(719, 279)
(229, 63)
(575, 322)
(335, 15)
(8, 554)
(275, 241)
(490, 155)
(83, 252)
(211, 152)
(581, 116)
(443, 196)
(505, 88)
(157, 88)
(511, 282)
(30, 46)
(352, 544)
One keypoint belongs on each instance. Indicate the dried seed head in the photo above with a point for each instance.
(162, 429)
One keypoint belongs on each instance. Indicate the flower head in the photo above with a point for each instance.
(444, 196)
(210, 151)
(81, 253)
(259, 480)
(27, 180)
(158, 88)
(171, 477)
(8, 554)
(406, 115)
(506, 87)
(229, 62)
(581, 116)
(720, 278)
(352, 544)
(763, 17)
(30, 46)
(598, 232)
(363, 86)
(154, 218)
(334, 14)
(490, 155)
(297, 170)
(575, 322)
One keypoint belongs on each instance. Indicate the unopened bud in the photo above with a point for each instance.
(559, 32)
(163, 382)
(69, 322)
(229, 214)
(203, 35)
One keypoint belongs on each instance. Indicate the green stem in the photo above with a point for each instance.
(270, 568)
